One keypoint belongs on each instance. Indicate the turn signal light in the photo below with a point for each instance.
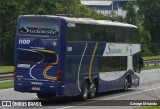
(14, 73)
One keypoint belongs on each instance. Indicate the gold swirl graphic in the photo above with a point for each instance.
(91, 63)
(50, 66)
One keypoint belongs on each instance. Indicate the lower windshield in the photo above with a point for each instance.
(35, 57)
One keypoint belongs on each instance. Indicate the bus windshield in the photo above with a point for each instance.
(38, 26)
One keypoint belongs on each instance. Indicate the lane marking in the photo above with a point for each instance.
(110, 98)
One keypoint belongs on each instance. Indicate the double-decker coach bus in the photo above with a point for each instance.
(57, 55)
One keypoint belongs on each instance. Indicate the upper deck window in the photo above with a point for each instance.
(38, 26)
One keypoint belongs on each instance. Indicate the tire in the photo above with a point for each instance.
(44, 96)
(85, 91)
(92, 90)
(126, 85)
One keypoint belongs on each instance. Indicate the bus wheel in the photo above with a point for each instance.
(44, 96)
(126, 85)
(92, 92)
(85, 91)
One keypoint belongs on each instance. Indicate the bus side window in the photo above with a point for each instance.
(87, 33)
(97, 36)
(111, 34)
(93, 32)
(104, 36)
(112, 37)
(72, 34)
(120, 35)
(109, 64)
(128, 33)
(69, 66)
(80, 32)
(87, 36)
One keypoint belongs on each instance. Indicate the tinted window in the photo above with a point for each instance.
(27, 56)
(136, 65)
(86, 32)
(77, 33)
(108, 64)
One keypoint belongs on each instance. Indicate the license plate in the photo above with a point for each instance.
(35, 88)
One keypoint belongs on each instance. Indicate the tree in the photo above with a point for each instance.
(131, 16)
(8, 16)
(149, 14)
(41, 7)
(145, 40)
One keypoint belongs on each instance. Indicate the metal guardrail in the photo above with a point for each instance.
(152, 62)
(6, 76)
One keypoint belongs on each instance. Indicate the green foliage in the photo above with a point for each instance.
(145, 40)
(151, 57)
(8, 13)
(150, 67)
(131, 16)
(145, 37)
(149, 12)
(41, 7)
(6, 69)
(113, 17)
(156, 48)
(148, 23)
(5, 85)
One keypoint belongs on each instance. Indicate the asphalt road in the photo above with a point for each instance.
(149, 89)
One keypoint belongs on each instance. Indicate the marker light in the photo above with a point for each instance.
(59, 75)
(14, 72)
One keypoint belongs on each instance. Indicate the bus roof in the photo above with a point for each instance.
(85, 21)
(98, 22)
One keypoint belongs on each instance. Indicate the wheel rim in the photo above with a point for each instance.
(92, 90)
(126, 84)
(85, 92)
